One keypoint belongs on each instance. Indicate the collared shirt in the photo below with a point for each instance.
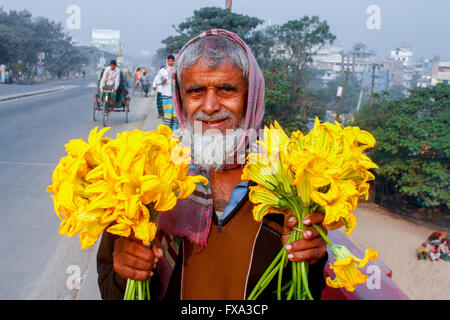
(110, 77)
(166, 88)
(238, 193)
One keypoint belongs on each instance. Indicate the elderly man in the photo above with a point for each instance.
(209, 246)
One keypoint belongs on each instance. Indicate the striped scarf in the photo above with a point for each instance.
(191, 218)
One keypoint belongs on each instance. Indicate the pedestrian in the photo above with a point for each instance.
(158, 89)
(145, 81)
(164, 79)
(422, 252)
(209, 246)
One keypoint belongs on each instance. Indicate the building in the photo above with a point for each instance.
(404, 55)
(440, 73)
(380, 81)
(329, 60)
(332, 60)
(361, 57)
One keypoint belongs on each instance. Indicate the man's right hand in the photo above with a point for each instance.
(133, 260)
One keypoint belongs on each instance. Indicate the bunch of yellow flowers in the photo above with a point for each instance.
(326, 171)
(120, 185)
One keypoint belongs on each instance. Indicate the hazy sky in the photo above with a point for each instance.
(144, 23)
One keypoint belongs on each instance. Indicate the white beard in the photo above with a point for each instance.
(211, 152)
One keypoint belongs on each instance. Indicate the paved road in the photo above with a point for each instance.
(33, 131)
(13, 89)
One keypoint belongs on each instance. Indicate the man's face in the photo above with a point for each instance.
(216, 97)
(170, 62)
(113, 66)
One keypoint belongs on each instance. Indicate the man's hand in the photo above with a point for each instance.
(133, 260)
(312, 246)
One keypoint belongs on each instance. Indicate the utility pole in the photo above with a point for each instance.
(228, 4)
(361, 94)
(341, 101)
(375, 65)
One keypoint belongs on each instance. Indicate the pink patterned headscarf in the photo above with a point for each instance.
(192, 217)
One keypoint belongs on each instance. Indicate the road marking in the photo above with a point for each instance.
(27, 95)
(21, 163)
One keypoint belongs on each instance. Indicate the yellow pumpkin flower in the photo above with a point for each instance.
(266, 202)
(346, 268)
(112, 183)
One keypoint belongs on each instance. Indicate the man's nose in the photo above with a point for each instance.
(211, 103)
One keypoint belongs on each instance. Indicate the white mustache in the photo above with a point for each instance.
(201, 116)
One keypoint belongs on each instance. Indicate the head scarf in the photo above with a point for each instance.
(192, 217)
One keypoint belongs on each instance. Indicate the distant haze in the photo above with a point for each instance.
(143, 24)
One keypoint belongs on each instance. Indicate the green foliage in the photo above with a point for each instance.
(293, 46)
(351, 94)
(211, 18)
(413, 143)
(22, 37)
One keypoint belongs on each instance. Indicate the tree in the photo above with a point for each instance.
(295, 44)
(413, 144)
(351, 96)
(211, 18)
(22, 37)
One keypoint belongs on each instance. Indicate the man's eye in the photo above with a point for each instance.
(196, 90)
(227, 89)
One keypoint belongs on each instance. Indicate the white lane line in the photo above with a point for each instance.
(28, 95)
(22, 163)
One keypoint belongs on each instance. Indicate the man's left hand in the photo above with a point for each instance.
(312, 246)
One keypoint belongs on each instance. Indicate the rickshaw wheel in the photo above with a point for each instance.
(127, 108)
(105, 113)
(96, 109)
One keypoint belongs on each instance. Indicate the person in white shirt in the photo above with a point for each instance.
(159, 105)
(164, 79)
(111, 76)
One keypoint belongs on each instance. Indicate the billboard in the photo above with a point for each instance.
(105, 37)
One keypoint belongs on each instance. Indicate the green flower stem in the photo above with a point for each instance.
(280, 274)
(148, 288)
(304, 271)
(140, 290)
(267, 281)
(291, 291)
(265, 274)
(331, 244)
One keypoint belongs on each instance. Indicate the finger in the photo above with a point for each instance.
(301, 245)
(307, 255)
(130, 273)
(312, 233)
(138, 250)
(157, 251)
(289, 223)
(314, 218)
(134, 262)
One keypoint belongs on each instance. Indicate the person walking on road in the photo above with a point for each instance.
(159, 105)
(164, 79)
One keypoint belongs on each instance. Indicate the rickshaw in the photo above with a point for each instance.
(105, 101)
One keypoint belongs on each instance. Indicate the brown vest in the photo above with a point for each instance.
(220, 270)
